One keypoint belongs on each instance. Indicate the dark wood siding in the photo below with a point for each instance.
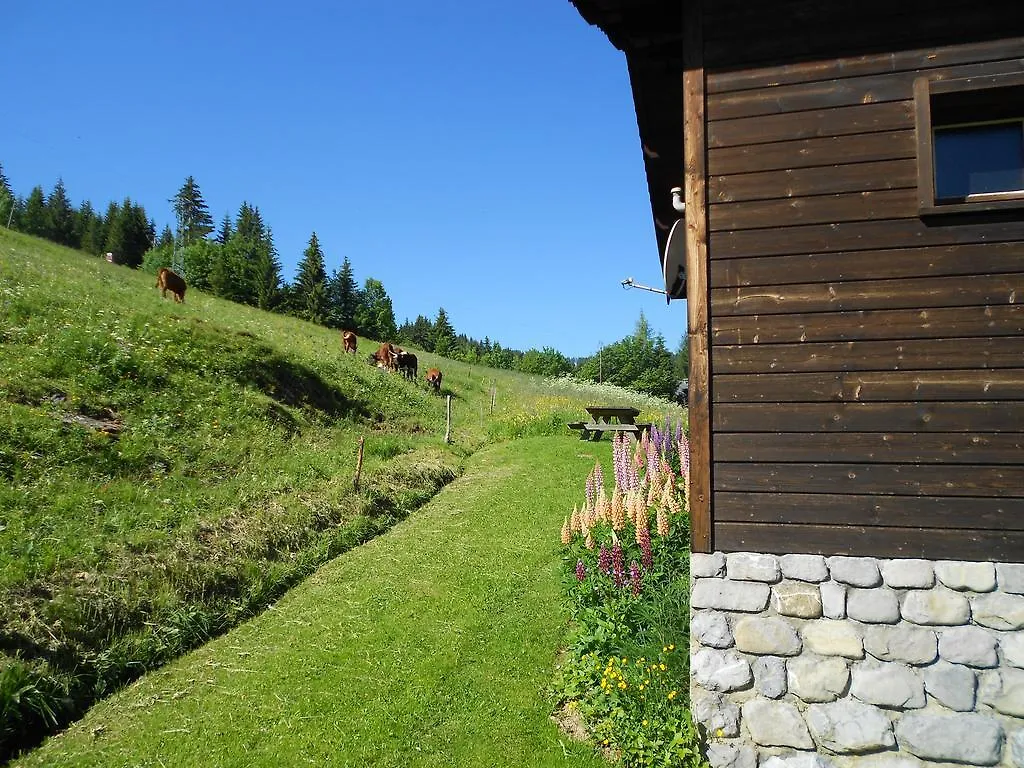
(867, 365)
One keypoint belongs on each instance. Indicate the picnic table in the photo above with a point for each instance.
(609, 418)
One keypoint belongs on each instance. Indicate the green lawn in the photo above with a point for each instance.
(428, 646)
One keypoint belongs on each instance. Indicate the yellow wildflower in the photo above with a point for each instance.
(672, 695)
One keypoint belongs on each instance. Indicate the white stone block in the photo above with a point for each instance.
(903, 642)
(766, 635)
(848, 727)
(797, 760)
(794, 598)
(704, 565)
(1010, 577)
(815, 679)
(826, 637)
(751, 566)
(1003, 690)
(776, 724)
(908, 574)
(810, 568)
(873, 606)
(952, 685)
(833, 600)
(963, 738)
(770, 676)
(720, 670)
(1012, 645)
(966, 577)
(711, 628)
(888, 684)
(716, 713)
(731, 755)
(855, 571)
(728, 595)
(938, 606)
(998, 611)
(970, 645)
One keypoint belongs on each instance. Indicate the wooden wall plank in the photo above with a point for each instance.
(841, 92)
(871, 417)
(870, 447)
(791, 510)
(909, 355)
(763, 129)
(806, 153)
(822, 180)
(938, 323)
(871, 386)
(866, 236)
(936, 261)
(859, 206)
(830, 68)
(857, 295)
(887, 479)
(878, 541)
(695, 193)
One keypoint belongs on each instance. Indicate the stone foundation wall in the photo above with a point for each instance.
(800, 661)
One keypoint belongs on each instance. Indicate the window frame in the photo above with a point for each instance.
(924, 89)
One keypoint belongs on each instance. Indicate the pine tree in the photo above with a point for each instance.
(375, 316)
(444, 334)
(84, 218)
(33, 218)
(267, 269)
(7, 200)
(60, 216)
(311, 283)
(226, 230)
(194, 220)
(166, 239)
(343, 297)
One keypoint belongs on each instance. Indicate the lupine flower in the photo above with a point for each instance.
(601, 508)
(653, 487)
(635, 578)
(589, 491)
(618, 569)
(644, 540)
(604, 561)
(662, 520)
(670, 500)
(684, 456)
(617, 510)
(574, 521)
(620, 460)
(581, 571)
(566, 532)
(589, 542)
(598, 477)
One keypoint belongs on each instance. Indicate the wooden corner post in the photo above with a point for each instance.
(695, 186)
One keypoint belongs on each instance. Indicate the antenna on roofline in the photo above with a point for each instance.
(630, 283)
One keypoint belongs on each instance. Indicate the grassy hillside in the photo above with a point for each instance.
(168, 470)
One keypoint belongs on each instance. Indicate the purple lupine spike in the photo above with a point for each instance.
(618, 569)
(636, 577)
(581, 571)
(620, 457)
(591, 492)
(604, 561)
(653, 461)
(598, 478)
(644, 539)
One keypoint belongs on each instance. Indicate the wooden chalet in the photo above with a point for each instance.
(853, 177)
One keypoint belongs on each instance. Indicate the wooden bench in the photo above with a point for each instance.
(593, 430)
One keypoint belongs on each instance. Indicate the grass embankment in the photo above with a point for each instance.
(167, 471)
(425, 647)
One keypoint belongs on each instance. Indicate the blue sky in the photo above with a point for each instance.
(480, 156)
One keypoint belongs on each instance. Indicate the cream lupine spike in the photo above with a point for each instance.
(618, 514)
(602, 505)
(574, 521)
(653, 487)
(662, 521)
(566, 532)
(641, 523)
(589, 542)
(671, 501)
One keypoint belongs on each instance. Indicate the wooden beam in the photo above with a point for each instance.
(695, 154)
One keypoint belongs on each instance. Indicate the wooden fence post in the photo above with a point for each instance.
(359, 465)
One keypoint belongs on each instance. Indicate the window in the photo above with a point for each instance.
(970, 136)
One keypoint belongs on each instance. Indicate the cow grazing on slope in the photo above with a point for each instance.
(385, 357)
(434, 380)
(407, 364)
(166, 280)
(349, 342)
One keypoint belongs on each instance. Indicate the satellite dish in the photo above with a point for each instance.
(674, 263)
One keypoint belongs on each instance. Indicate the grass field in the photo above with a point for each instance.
(220, 477)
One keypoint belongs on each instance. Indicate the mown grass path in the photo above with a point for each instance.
(428, 646)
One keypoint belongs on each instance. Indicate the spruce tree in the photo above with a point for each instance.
(344, 296)
(84, 218)
(267, 268)
(8, 202)
(375, 316)
(166, 239)
(226, 230)
(311, 283)
(194, 220)
(444, 334)
(60, 216)
(33, 219)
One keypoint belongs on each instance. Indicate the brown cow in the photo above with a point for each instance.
(434, 380)
(349, 341)
(407, 364)
(385, 357)
(166, 280)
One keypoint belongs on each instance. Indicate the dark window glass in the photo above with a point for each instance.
(979, 159)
